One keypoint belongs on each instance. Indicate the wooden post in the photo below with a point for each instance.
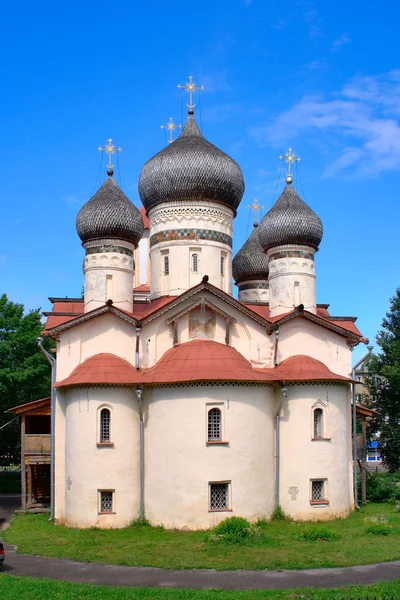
(363, 461)
(29, 502)
(23, 466)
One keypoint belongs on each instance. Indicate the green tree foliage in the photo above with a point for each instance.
(24, 372)
(384, 386)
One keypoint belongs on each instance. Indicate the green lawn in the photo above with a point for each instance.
(279, 547)
(26, 588)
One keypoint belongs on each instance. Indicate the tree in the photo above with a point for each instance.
(24, 372)
(384, 386)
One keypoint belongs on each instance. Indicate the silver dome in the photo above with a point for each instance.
(250, 262)
(110, 214)
(290, 221)
(191, 168)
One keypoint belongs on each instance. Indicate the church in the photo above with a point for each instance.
(173, 400)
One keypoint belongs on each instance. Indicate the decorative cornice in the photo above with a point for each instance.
(191, 235)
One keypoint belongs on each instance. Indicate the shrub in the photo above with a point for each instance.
(382, 488)
(318, 533)
(377, 525)
(280, 515)
(233, 530)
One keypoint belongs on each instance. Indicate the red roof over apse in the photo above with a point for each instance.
(145, 218)
(203, 360)
(102, 369)
(305, 368)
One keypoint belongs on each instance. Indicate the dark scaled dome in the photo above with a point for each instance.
(191, 168)
(250, 262)
(290, 221)
(110, 214)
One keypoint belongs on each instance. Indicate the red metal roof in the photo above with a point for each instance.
(142, 288)
(305, 368)
(103, 368)
(145, 218)
(203, 360)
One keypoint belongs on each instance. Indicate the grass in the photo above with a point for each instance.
(281, 545)
(27, 588)
(10, 482)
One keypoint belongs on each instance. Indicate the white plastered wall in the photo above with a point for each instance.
(254, 294)
(299, 336)
(303, 459)
(108, 275)
(292, 279)
(90, 467)
(179, 464)
(183, 215)
(105, 333)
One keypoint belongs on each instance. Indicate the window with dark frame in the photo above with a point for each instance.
(166, 265)
(105, 425)
(317, 490)
(318, 423)
(195, 263)
(214, 425)
(219, 496)
(106, 501)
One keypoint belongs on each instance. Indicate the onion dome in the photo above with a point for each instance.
(109, 214)
(290, 221)
(191, 168)
(250, 262)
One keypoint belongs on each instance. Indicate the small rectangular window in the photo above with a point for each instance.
(106, 501)
(319, 491)
(166, 265)
(219, 496)
(222, 265)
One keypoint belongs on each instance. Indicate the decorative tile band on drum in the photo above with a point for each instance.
(191, 235)
(103, 249)
(291, 254)
(262, 285)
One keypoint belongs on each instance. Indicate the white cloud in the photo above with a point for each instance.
(341, 41)
(361, 123)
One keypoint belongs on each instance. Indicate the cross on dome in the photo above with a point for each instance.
(289, 158)
(190, 87)
(171, 126)
(255, 207)
(110, 149)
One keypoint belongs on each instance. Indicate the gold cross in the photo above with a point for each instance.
(110, 149)
(171, 126)
(289, 159)
(190, 87)
(256, 207)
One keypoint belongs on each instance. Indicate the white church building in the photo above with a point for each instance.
(176, 401)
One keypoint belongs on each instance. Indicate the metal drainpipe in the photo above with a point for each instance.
(138, 328)
(52, 361)
(355, 475)
(139, 392)
(277, 445)
(276, 347)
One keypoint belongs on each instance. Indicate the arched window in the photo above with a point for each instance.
(166, 265)
(214, 425)
(222, 265)
(195, 263)
(105, 425)
(318, 423)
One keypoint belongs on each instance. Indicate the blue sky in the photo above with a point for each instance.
(321, 77)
